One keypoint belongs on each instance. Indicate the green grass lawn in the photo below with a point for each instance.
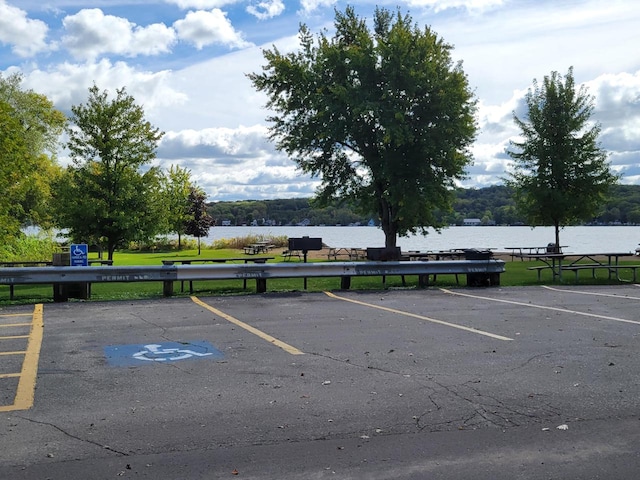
(517, 274)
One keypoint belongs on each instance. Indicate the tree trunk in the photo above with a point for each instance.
(557, 230)
(198, 245)
(390, 238)
(386, 222)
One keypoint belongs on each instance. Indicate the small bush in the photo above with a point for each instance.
(30, 248)
(241, 242)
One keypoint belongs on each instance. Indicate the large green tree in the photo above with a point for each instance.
(560, 174)
(383, 117)
(14, 166)
(39, 125)
(105, 197)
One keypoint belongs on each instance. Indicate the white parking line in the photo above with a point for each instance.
(595, 294)
(420, 317)
(542, 307)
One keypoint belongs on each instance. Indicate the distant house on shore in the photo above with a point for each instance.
(471, 222)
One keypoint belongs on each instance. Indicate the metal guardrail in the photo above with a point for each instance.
(489, 269)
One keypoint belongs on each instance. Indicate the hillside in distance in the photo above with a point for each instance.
(491, 205)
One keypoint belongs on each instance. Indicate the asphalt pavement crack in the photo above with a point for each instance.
(163, 330)
(75, 437)
(528, 361)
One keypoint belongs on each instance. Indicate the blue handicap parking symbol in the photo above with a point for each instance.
(166, 352)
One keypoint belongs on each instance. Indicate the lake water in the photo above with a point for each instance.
(576, 239)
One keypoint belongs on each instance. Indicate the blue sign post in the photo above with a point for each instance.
(79, 255)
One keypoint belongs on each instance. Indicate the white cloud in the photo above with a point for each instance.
(473, 5)
(26, 36)
(308, 6)
(266, 9)
(91, 33)
(234, 163)
(67, 84)
(204, 28)
(201, 4)
(233, 144)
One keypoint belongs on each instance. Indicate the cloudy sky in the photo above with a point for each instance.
(185, 61)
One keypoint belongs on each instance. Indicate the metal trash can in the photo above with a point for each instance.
(383, 254)
(552, 248)
(480, 279)
(475, 254)
(64, 291)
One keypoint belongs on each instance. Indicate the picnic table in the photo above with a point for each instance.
(47, 263)
(352, 253)
(519, 251)
(190, 261)
(258, 247)
(559, 262)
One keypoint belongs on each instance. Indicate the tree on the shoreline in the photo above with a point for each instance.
(104, 197)
(177, 187)
(384, 118)
(198, 221)
(561, 174)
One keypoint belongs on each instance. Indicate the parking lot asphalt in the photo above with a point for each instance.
(486, 383)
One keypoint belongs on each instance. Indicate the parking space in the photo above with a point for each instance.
(20, 340)
(237, 384)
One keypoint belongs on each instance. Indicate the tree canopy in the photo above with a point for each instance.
(104, 197)
(561, 174)
(198, 220)
(13, 168)
(177, 186)
(384, 117)
(29, 119)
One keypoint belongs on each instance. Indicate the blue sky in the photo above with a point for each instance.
(185, 61)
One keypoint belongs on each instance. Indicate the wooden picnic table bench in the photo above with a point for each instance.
(352, 253)
(23, 263)
(258, 247)
(190, 261)
(519, 251)
(559, 262)
(47, 263)
(288, 254)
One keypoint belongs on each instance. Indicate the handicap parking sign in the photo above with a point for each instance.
(154, 353)
(79, 255)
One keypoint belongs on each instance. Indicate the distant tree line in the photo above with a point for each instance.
(492, 205)
(285, 212)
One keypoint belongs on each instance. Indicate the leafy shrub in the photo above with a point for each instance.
(241, 242)
(30, 248)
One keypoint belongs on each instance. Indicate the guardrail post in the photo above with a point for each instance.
(167, 288)
(345, 283)
(261, 285)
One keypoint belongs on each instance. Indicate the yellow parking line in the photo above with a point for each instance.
(13, 353)
(420, 317)
(542, 307)
(16, 325)
(15, 315)
(10, 337)
(286, 347)
(27, 384)
(9, 375)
